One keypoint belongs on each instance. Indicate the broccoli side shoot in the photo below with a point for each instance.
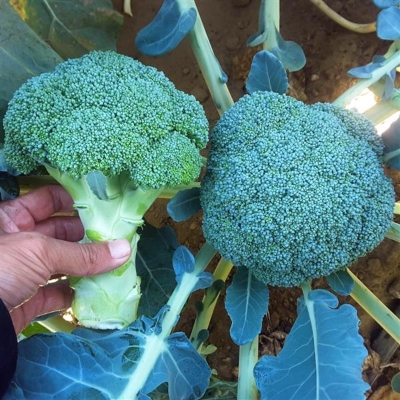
(294, 191)
(114, 133)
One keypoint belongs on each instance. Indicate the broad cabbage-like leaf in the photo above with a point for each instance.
(9, 187)
(341, 282)
(154, 266)
(322, 357)
(267, 73)
(386, 3)
(172, 23)
(22, 55)
(289, 53)
(73, 27)
(388, 23)
(92, 364)
(184, 205)
(246, 303)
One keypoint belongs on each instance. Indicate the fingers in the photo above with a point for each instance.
(22, 213)
(29, 259)
(69, 258)
(50, 298)
(64, 228)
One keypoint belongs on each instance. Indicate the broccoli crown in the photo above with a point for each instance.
(107, 112)
(294, 191)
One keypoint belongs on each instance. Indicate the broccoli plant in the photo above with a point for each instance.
(291, 192)
(294, 191)
(114, 133)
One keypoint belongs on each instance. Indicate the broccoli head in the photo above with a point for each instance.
(106, 112)
(114, 133)
(294, 191)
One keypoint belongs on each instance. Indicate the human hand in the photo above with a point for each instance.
(35, 246)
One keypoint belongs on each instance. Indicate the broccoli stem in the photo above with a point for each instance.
(208, 63)
(109, 300)
(155, 343)
(392, 62)
(248, 357)
(270, 12)
(210, 300)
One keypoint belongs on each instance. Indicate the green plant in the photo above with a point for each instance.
(114, 133)
(323, 352)
(294, 191)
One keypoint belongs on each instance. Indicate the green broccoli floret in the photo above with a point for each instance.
(114, 133)
(293, 191)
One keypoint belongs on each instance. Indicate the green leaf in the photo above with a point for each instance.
(73, 27)
(322, 357)
(341, 282)
(154, 266)
(98, 184)
(23, 54)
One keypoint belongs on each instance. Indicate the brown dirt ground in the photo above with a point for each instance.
(330, 51)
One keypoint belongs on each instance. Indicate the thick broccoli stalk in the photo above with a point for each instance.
(294, 191)
(114, 133)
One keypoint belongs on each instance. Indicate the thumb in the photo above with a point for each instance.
(86, 259)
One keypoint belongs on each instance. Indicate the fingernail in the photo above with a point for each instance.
(119, 248)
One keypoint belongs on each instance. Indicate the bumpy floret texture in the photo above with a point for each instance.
(107, 112)
(294, 191)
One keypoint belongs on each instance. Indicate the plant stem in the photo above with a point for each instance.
(375, 308)
(391, 63)
(182, 292)
(208, 63)
(397, 208)
(109, 300)
(384, 108)
(248, 357)
(155, 344)
(394, 232)
(352, 26)
(127, 7)
(203, 319)
(271, 16)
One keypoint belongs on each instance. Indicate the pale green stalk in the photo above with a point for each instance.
(271, 16)
(209, 301)
(109, 300)
(155, 344)
(397, 208)
(207, 61)
(392, 62)
(384, 108)
(375, 308)
(248, 357)
(333, 15)
(394, 232)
